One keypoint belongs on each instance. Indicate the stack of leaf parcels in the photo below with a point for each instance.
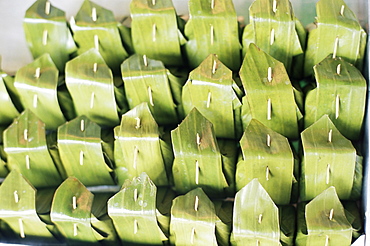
(208, 148)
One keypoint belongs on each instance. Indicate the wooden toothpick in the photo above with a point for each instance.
(135, 226)
(150, 94)
(81, 158)
(269, 110)
(214, 67)
(93, 14)
(331, 214)
(16, 197)
(212, 34)
(260, 219)
(336, 43)
(96, 42)
(37, 73)
(74, 202)
(154, 32)
(95, 67)
(135, 195)
(196, 203)
(138, 123)
(272, 36)
(274, 6)
(338, 69)
(45, 37)
(209, 99)
(192, 236)
(267, 173)
(268, 140)
(342, 10)
(21, 228)
(75, 230)
(337, 106)
(82, 125)
(145, 60)
(25, 134)
(47, 7)
(330, 136)
(196, 172)
(198, 139)
(269, 74)
(327, 174)
(28, 165)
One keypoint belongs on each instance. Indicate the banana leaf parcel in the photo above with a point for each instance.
(270, 97)
(40, 90)
(46, 31)
(133, 211)
(329, 159)
(337, 32)
(274, 28)
(193, 219)
(96, 27)
(340, 93)
(198, 160)
(138, 148)
(155, 29)
(211, 89)
(91, 84)
(147, 80)
(212, 29)
(8, 102)
(81, 151)
(18, 211)
(323, 221)
(267, 156)
(26, 146)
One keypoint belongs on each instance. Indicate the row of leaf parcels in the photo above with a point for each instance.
(83, 150)
(191, 219)
(212, 28)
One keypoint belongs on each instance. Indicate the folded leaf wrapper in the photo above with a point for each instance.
(198, 161)
(212, 29)
(329, 159)
(256, 217)
(211, 89)
(18, 210)
(8, 107)
(91, 84)
(135, 208)
(155, 29)
(138, 148)
(27, 151)
(147, 80)
(81, 152)
(323, 221)
(340, 93)
(96, 27)
(268, 157)
(270, 97)
(338, 33)
(276, 30)
(46, 31)
(193, 219)
(37, 84)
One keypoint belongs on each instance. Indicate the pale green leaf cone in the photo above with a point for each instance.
(8, 109)
(267, 156)
(18, 210)
(323, 221)
(155, 30)
(71, 212)
(270, 96)
(96, 27)
(273, 29)
(147, 80)
(90, 82)
(81, 152)
(329, 159)
(210, 88)
(193, 219)
(198, 161)
(46, 31)
(340, 93)
(138, 148)
(337, 32)
(135, 208)
(27, 151)
(212, 29)
(256, 217)
(37, 84)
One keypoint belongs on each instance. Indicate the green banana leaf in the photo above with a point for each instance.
(37, 85)
(193, 219)
(256, 217)
(90, 82)
(354, 217)
(224, 222)
(8, 109)
(81, 152)
(323, 221)
(155, 30)
(229, 153)
(356, 192)
(287, 221)
(298, 61)
(270, 97)
(337, 32)
(125, 33)
(273, 29)
(329, 159)
(165, 195)
(147, 80)
(138, 147)
(71, 212)
(212, 90)
(212, 29)
(18, 210)
(27, 151)
(96, 27)
(135, 207)
(46, 31)
(267, 156)
(197, 157)
(340, 93)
